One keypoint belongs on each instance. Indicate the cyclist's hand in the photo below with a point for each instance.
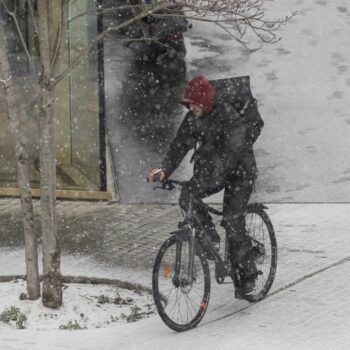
(156, 175)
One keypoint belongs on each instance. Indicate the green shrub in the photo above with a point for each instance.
(135, 314)
(103, 299)
(72, 326)
(13, 314)
(118, 300)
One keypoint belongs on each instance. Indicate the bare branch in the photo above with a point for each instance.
(161, 5)
(32, 14)
(235, 17)
(61, 34)
(44, 41)
(154, 40)
(5, 81)
(72, 2)
(19, 31)
(100, 11)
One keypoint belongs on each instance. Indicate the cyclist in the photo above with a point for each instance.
(223, 159)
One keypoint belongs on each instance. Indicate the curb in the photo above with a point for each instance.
(86, 280)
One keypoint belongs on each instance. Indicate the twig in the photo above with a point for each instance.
(4, 81)
(100, 11)
(159, 6)
(31, 9)
(84, 296)
(14, 16)
(61, 35)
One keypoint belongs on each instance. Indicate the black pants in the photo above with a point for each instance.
(236, 197)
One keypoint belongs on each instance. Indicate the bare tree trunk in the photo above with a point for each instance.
(52, 284)
(31, 251)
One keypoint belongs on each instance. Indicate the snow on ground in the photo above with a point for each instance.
(12, 262)
(312, 315)
(308, 307)
(301, 84)
(84, 306)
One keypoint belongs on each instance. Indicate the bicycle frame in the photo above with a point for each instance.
(221, 264)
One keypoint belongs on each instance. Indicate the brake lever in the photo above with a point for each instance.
(165, 186)
(168, 186)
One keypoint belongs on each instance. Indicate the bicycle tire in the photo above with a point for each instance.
(161, 305)
(260, 293)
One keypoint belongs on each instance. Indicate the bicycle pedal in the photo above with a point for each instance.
(183, 223)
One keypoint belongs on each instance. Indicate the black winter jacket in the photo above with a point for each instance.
(220, 143)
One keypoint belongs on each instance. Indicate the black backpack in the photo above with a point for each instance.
(236, 91)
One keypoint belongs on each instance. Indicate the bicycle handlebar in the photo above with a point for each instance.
(175, 182)
(168, 184)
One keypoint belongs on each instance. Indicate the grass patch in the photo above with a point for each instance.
(136, 314)
(14, 315)
(118, 300)
(71, 326)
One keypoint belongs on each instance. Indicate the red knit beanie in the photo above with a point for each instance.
(200, 92)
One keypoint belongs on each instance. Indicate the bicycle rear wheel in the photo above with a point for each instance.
(259, 228)
(180, 304)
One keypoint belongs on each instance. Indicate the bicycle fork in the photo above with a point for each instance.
(186, 278)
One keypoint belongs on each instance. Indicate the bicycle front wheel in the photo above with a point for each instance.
(181, 302)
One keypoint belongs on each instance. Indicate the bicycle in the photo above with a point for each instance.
(181, 269)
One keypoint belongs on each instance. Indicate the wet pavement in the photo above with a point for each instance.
(143, 115)
(300, 83)
(307, 305)
(128, 236)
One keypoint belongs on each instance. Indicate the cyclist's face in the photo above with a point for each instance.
(196, 110)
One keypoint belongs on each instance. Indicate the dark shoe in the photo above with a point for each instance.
(244, 285)
(246, 289)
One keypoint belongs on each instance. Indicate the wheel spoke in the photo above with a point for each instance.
(183, 298)
(193, 305)
(260, 230)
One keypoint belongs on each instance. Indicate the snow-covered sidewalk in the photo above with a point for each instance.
(308, 306)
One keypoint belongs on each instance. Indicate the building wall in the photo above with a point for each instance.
(76, 106)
